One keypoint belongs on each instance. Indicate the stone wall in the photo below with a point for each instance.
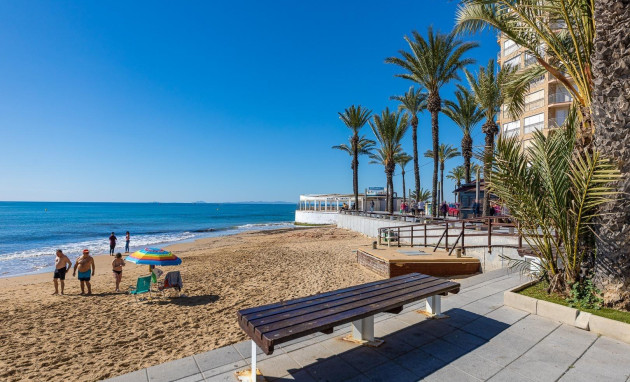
(316, 217)
(611, 118)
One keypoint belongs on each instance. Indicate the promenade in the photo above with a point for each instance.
(482, 340)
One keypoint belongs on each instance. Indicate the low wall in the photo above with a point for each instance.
(316, 217)
(490, 260)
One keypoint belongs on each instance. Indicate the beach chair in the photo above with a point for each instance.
(143, 285)
(172, 280)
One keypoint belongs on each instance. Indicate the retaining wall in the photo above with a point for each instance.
(316, 217)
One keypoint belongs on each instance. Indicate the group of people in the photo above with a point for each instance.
(416, 208)
(86, 267)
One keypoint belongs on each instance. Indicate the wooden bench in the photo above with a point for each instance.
(274, 324)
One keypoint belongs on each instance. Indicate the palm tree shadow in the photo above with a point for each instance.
(189, 300)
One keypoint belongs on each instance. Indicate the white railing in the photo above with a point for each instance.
(510, 50)
(528, 129)
(560, 97)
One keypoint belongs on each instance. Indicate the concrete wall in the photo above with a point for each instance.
(489, 260)
(316, 217)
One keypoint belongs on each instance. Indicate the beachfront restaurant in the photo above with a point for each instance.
(323, 208)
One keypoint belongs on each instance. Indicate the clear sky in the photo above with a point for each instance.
(197, 100)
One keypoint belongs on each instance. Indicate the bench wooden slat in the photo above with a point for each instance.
(266, 317)
(287, 334)
(348, 306)
(283, 304)
(273, 324)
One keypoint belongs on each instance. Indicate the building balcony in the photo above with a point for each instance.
(511, 133)
(528, 129)
(534, 104)
(560, 98)
(510, 50)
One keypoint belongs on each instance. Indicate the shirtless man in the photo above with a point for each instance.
(60, 270)
(87, 269)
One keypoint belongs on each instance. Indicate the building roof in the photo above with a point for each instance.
(471, 186)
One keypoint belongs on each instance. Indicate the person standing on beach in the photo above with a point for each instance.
(87, 269)
(60, 270)
(127, 242)
(117, 269)
(112, 244)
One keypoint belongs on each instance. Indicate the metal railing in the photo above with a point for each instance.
(560, 97)
(535, 104)
(461, 229)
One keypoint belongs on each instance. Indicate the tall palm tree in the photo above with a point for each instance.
(558, 33)
(355, 117)
(487, 89)
(466, 114)
(413, 102)
(389, 129)
(365, 147)
(423, 196)
(457, 174)
(432, 63)
(402, 160)
(474, 167)
(612, 268)
(444, 153)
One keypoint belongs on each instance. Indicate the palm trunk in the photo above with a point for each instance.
(404, 189)
(467, 154)
(355, 172)
(434, 106)
(611, 73)
(416, 165)
(490, 129)
(390, 185)
(441, 182)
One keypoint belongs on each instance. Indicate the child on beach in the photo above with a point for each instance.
(117, 265)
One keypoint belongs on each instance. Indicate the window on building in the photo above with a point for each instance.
(512, 128)
(534, 123)
(509, 47)
(514, 61)
(529, 59)
(535, 100)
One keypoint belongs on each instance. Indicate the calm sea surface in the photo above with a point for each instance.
(31, 232)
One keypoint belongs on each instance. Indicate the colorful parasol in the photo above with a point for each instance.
(154, 256)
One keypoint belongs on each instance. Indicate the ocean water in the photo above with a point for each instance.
(31, 232)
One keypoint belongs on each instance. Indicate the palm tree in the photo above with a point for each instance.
(389, 129)
(402, 160)
(424, 195)
(613, 237)
(558, 33)
(457, 174)
(432, 63)
(365, 147)
(466, 114)
(413, 102)
(554, 195)
(474, 167)
(487, 89)
(444, 153)
(355, 117)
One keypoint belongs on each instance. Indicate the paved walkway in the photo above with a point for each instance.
(482, 340)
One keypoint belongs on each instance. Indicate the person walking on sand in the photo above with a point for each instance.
(117, 269)
(112, 244)
(127, 242)
(87, 269)
(60, 270)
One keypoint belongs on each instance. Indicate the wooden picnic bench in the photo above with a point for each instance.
(274, 324)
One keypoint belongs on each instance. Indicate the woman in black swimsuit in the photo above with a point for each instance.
(117, 265)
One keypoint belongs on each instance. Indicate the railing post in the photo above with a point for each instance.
(446, 232)
(463, 235)
(380, 233)
(398, 237)
(520, 237)
(425, 234)
(489, 234)
(412, 236)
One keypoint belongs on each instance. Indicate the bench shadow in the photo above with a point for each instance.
(408, 354)
(188, 300)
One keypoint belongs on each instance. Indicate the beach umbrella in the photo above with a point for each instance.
(154, 256)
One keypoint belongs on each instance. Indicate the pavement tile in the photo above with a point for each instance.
(310, 354)
(606, 360)
(389, 371)
(337, 345)
(136, 376)
(464, 340)
(218, 357)
(507, 315)
(173, 370)
(420, 363)
(300, 376)
(394, 346)
(192, 378)
(476, 366)
(509, 375)
(364, 358)
(486, 328)
(233, 367)
(412, 317)
(334, 369)
(390, 326)
(279, 366)
(450, 373)
(443, 350)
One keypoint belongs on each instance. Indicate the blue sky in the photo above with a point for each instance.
(214, 101)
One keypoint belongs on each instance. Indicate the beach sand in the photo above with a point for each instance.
(85, 338)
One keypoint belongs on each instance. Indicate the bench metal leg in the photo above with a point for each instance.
(434, 307)
(251, 375)
(363, 330)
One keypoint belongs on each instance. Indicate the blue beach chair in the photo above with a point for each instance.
(143, 285)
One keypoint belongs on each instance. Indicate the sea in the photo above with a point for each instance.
(31, 232)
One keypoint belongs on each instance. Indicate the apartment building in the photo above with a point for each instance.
(547, 103)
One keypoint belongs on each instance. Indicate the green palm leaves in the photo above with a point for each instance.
(355, 117)
(554, 191)
(444, 153)
(389, 128)
(432, 63)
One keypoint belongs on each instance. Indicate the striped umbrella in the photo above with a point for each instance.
(154, 256)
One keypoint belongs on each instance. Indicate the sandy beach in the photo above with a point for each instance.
(86, 338)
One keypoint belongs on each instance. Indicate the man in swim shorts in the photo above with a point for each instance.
(87, 269)
(60, 270)
(112, 244)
